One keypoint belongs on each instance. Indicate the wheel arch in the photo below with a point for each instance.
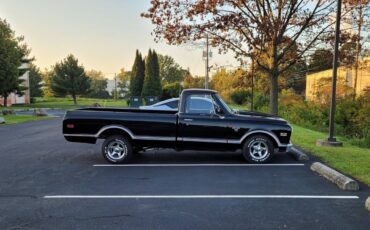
(270, 135)
(110, 130)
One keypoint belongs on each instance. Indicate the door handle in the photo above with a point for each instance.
(188, 119)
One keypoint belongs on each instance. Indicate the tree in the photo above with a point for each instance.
(69, 78)
(123, 82)
(347, 47)
(227, 82)
(321, 59)
(35, 77)
(248, 28)
(359, 14)
(171, 90)
(46, 88)
(193, 82)
(12, 53)
(137, 75)
(152, 82)
(98, 86)
(169, 70)
(295, 77)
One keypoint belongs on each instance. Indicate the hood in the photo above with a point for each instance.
(260, 115)
(250, 113)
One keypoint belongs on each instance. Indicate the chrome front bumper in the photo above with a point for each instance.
(289, 147)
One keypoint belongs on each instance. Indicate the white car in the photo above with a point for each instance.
(169, 104)
(173, 104)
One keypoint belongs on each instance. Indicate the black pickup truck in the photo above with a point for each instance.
(202, 122)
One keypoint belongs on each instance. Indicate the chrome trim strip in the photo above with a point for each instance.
(187, 139)
(207, 140)
(79, 135)
(115, 127)
(236, 141)
(156, 138)
(261, 131)
(233, 141)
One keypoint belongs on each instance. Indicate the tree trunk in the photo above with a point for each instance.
(358, 50)
(5, 100)
(74, 99)
(274, 93)
(274, 74)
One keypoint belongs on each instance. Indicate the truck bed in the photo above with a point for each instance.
(89, 123)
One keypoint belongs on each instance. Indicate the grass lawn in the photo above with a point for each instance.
(351, 160)
(67, 103)
(15, 119)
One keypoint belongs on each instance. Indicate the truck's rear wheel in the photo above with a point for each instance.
(258, 149)
(117, 149)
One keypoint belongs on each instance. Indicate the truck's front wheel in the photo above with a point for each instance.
(117, 149)
(258, 149)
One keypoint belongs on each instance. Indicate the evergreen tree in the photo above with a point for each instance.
(69, 78)
(12, 52)
(152, 82)
(137, 75)
(35, 78)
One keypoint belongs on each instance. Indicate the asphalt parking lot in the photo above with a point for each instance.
(47, 183)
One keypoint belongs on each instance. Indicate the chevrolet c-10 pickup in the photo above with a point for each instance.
(203, 121)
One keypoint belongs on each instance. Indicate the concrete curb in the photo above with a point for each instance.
(367, 204)
(342, 181)
(298, 154)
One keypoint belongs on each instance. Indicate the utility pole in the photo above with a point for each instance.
(252, 86)
(115, 86)
(207, 64)
(331, 140)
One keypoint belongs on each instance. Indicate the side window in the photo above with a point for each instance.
(200, 104)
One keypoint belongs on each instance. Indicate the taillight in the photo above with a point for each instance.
(70, 126)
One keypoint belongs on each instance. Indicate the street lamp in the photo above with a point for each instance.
(331, 140)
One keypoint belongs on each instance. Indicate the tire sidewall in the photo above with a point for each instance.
(123, 139)
(247, 155)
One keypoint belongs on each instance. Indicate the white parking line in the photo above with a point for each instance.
(197, 197)
(194, 165)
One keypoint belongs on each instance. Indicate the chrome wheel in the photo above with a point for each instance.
(258, 149)
(116, 150)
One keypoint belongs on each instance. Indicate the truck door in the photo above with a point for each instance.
(200, 126)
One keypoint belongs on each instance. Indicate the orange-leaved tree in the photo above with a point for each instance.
(248, 28)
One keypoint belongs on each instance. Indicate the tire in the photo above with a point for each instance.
(117, 149)
(258, 149)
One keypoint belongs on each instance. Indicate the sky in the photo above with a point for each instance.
(102, 34)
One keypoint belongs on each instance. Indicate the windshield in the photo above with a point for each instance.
(224, 104)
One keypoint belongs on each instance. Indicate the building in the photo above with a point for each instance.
(13, 98)
(344, 74)
(111, 86)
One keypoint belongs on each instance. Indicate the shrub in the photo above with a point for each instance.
(352, 116)
(171, 90)
(260, 102)
(240, 96)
